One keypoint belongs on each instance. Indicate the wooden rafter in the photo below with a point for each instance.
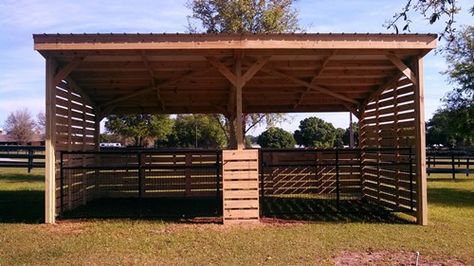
(319, 88)
(141, 91)
(223, 70)
(152, 78)
(353, 109)
(402, 67)
(66, 70)
(231, 77)
(254, 69)
(315, 77)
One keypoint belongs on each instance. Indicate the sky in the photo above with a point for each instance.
(22, 70)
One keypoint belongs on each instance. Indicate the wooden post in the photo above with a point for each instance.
(351, 133)
(50, 141)
(238, 122)
(187, 171)
(420, 145)
(97, 160)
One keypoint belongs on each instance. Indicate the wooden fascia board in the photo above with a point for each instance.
(233, 41)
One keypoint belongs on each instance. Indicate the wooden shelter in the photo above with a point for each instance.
(377, 77)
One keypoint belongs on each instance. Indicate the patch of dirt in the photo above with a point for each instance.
(66, 227)
(391, 258)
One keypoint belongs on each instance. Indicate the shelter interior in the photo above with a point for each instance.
(376, 77)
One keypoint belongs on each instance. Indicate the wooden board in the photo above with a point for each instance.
(240, 186)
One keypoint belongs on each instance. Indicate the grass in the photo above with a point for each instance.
(134, 241)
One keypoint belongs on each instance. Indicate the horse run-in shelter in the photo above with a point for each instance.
(376, 77)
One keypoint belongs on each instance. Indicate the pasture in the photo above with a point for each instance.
(448, 239)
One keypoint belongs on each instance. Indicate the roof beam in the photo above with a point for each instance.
(66, 70)
(152, 77)
(353, 109)
(254, 69)
(223, 70)
(316, 75)
(402, 67)
(141, 91)
(319, 88)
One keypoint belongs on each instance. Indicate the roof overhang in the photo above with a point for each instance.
(188, 73)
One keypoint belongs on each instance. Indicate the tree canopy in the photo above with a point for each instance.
(451, 127)
(255, 16)
(196, 131)
(315, 132)
(21, 126)
(460, 61)
(433, 11)
(275, 137)
(143, 129)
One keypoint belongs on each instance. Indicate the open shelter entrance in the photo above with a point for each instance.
(376, 77)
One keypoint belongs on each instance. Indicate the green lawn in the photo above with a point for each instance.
(449, 237)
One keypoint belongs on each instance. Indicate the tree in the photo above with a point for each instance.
(451, 127)
(315, 132)
(244, 16)
(41, 122)
(347, 134)
(196, 131)
(21, 126)
(339, 141)
(143, 129)
(460, 61)
(275, 137)
(433, 11)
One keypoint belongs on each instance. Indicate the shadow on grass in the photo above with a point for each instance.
(21, 177)
(197, 210)
(21, 206)
(167, 209)
(327, 210)
(451, 197)
(449, 179)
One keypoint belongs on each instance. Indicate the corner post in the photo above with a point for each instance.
(50, 142)
(420, 145)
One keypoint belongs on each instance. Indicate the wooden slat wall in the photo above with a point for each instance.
(75, 131)
(240, 186)
(310, 172)
(388, 121)
(176, 174)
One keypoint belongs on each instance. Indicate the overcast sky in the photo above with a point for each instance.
(22, 69)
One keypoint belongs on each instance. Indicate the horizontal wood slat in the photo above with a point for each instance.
(240, 186)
